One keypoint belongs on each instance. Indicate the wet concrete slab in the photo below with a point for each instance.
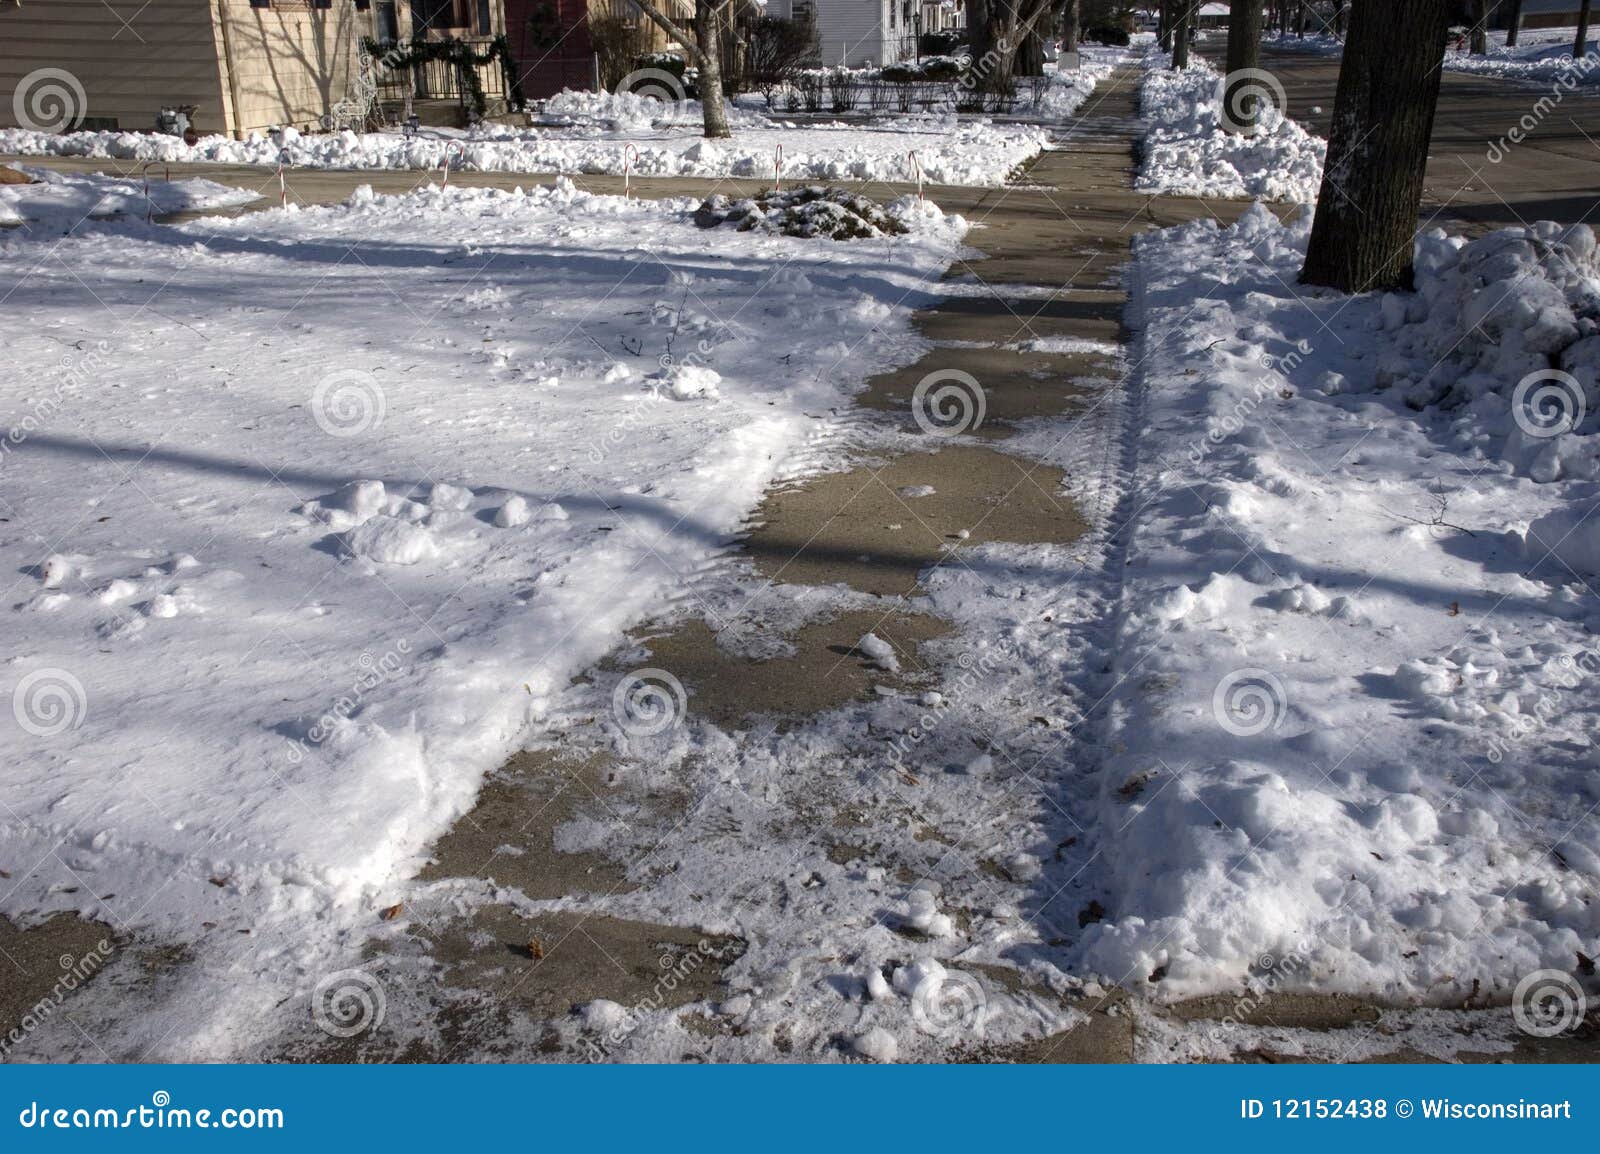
(509, 836)
(43, 966)
(866, 529)
(496, 984)
(1017, 383)
(823, 668)
(990, 316)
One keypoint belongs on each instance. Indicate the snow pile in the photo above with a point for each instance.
(1505, 332)
(1188, 151)
(297, 566)
(1065, 92)
(1353, 732)
(949, 152)
(630, 112)
(60, 199)
(1542, 56)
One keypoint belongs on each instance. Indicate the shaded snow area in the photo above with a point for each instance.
(314, 513)
(61, 200)
(1188, 149)
(1354, 736)
(1542, 55)
(606, 133)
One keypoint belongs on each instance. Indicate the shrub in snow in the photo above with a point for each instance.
(805, 212)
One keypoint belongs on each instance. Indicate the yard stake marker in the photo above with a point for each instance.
(460, 152)
(283, 188)
(777, 180)
(916, 166)
(149, 205)
(629, 155)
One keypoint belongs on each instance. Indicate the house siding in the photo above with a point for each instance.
(854, 32)
(290, 64)
(165, 56)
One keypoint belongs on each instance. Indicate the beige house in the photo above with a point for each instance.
(242, 64)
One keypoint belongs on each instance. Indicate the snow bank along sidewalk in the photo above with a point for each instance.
(65, 199)
(309, 515)
(1355, 727)
(609, 133)
(1188, 149)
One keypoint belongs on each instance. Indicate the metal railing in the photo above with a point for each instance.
(440, 80)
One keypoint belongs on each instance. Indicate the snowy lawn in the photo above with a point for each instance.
(1357, 728)
(1188, 151)
(586, 132)
(62, 199)
(309, 516)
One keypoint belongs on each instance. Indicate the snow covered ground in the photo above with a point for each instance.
(1188, 151)
(60, 199)
(950, 152)
(1355, 736)
(587, 132)
(314, 511)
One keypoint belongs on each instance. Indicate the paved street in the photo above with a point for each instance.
(1554, 174)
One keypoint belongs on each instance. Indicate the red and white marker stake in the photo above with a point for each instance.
(150, 205)
(629, 155)
(460, 152)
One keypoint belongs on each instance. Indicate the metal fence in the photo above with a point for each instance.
(440, 80)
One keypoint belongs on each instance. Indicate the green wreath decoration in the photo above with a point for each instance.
(466, 62)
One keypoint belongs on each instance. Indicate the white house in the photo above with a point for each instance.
(859, 33)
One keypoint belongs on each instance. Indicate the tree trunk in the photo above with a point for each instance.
(1180, 33)
(1244, 56)
(708, 30)
(1341, 17)
(1030, 57)
(1580, 44)
(1479, 43)
(1300, 18)
(704, 51)
(1514, 26)
(1070, 22)
(1366, 221)
(1164, 26)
